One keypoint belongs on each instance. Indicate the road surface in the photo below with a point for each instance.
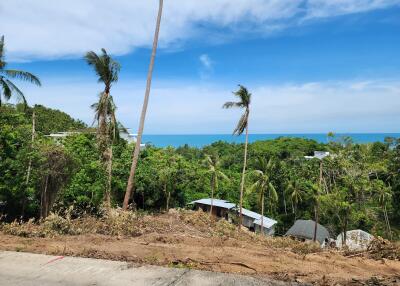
(17, 268)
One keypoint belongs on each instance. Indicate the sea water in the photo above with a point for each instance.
(200, 140)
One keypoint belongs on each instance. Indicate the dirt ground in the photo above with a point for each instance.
(194, 247)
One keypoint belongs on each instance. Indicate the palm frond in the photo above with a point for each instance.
(9, 89)
(273, 193)
(230, 104)
(23, 75)
(2, 62)
(6, 89)
(105, 67)
(242, 124)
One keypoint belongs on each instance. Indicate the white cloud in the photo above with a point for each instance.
(206, 61)
(348, 106)
(53, 29)
(207, 66)
(329, 8)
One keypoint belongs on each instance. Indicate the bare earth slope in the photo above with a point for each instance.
(191, 240)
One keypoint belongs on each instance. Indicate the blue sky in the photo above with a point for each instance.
(312, 66)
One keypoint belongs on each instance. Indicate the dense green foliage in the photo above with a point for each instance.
(52, 120)
(360, 186)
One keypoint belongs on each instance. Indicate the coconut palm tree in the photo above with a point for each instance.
(263, 185)
(295, 194)
(107, 71)
(213, 168)
(244, 103)
(384, 195)
(135, 158)
(7, 87)
(315, 194)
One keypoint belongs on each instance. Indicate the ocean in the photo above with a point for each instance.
(200, 140)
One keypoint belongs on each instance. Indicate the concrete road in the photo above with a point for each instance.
(17, 268)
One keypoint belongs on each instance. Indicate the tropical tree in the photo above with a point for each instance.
(135, 158)
(107, 71)
(315, 195)
(113, 133)
(295, 195)
(384, 195)
(244, 103)
(7, 87)
(214, 170)
(263, 185)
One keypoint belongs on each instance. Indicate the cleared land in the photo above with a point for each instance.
(187, 239)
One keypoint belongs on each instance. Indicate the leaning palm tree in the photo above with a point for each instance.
(107, 71)
(213, 168)
(244, 102)
(7, 87)
(135, 158)
(263, 185)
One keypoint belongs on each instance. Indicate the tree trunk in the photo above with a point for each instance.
(28, 172)
(166, 194)
(345, 228)
(316, 203)
(168, 198)
(262, 214)
(316, 222)
(284, 203)
(243, 176)
(387, 223)
(131, 178)
(43, 204)
(107, 197)
(212, 193)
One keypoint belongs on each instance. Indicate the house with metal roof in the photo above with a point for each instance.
(304, 230)
(220, 208)
(251, 220)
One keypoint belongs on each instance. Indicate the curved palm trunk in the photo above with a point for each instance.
(131, 178)
(243, 176)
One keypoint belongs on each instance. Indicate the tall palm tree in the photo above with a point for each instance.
(315, 193)
(384, 196)
(263, 185)
(213, 165)
(295, 194)
(244, 103)
(107, 70)
(135, 158)
(7, 87)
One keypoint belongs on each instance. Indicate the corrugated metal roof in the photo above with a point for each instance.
(216, 202)
(267, 223)
(305, 229)
(257, 218)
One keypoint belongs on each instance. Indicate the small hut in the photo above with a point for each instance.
(304, 230)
